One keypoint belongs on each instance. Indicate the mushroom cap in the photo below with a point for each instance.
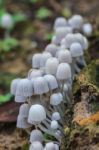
(20, 99)
(76, 21)
(36, 60)
(61, 32)
(64, 56)
(24, 88)
(51, 66)
(6, 21)
(40, 85)
(51, 81)
(87, 29)
(36, 146)
(36, 135)
(60, 22)
(76, 50)
(52, 49)
(69, 39)
(63, 71)
(54, 40)
(50, 146)
(34, 73)
(86, 44)
(14, 85)
(56, 116)
(37, 114)
(24, 110)
(56, 99)
(44, 57)
(79, 38)
(22, 122)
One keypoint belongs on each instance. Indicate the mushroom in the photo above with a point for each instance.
(36, 146)
(20, 99)
(44, 57)
(37, 114)
(24, 88)
(50, 146)
(14, 85)
(51, 66)
(52, 49)
(56, 116)
(24, 110)
(60, 22)
(87, 29)
(36, 135)
(36, 60)
(54, 125)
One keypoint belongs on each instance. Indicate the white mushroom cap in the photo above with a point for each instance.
(61, 32)
(36, 146)
(52, 82)
(76, 50)
(50, 146)
(6, 21)
(79, 38)
(37, 114)
(14, 85)
(87, 29)
(63, 71)
(52, 49)
(56, 99)
(36, 60)
(64, 56)
(36, 135)
(40, 85)
(56, 116)
(60, 22)
(69, 39)
(56, 146)
(76, 21)
(22, 122)
(20, 99)
(24, 110)
(24, 88)
(58, 134)
(34, 73)
(44, 57)
(51, 66)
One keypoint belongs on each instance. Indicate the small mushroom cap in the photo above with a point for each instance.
(52, 49)
(61, 32)
(36, 60)
(36, 135)
(51, 66)
(40, 85)
(56, 99)
(54, 40)
(58, 134)
(50, 146)
(69, 39)
(79, 38)
(64, 56)
(34, 73)
(37, 114)
(76, 21)
(22, 122)
(56, 116)
(52, 82)
(44, 58)
(76, 50)
(24, 88)
(14, 85)
(63, 71)
(60, 22)
(87, 29)
(36, 146)
(24, 110)
(20, 99)
(6, 21)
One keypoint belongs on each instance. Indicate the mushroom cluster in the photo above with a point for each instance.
(47, 88)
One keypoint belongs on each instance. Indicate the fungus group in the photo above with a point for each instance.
(47, 88)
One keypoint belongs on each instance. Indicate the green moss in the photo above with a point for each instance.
(25, 147)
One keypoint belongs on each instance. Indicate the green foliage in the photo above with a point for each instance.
(8, 44)
(48, 36)
(5, 98)
(48, 137)
(43, 13)
(18, 17)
